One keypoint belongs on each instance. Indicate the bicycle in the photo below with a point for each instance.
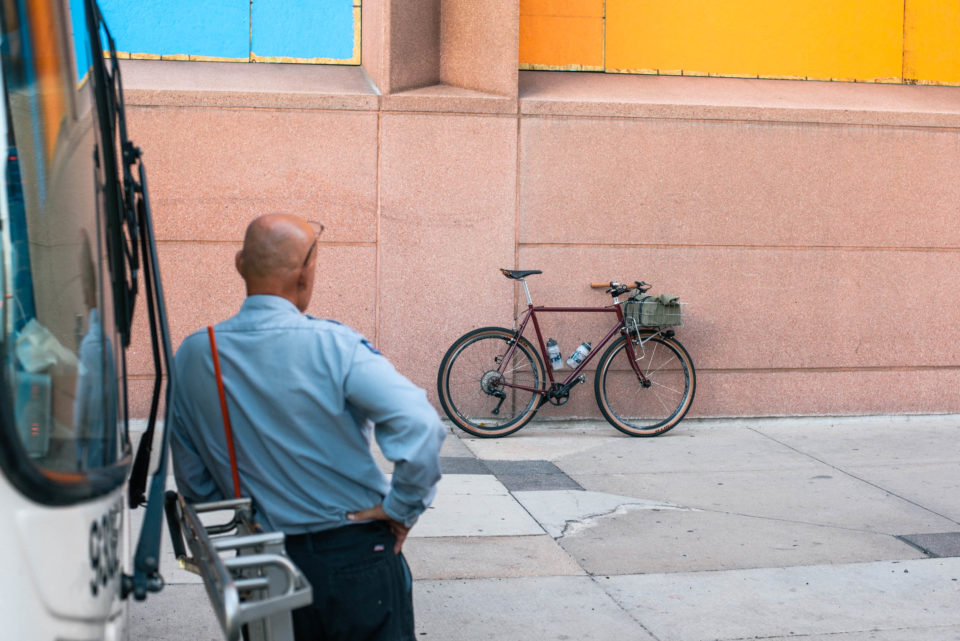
(493, 380)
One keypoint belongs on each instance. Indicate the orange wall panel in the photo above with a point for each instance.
(581, 8)
(51, 82)
(561, 42)
(561, 34)
(822, 39)
(931, 48)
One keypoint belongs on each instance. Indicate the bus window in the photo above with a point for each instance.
(76, 241)
(58, 344)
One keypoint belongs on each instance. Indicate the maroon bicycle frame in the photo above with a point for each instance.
(531, 314)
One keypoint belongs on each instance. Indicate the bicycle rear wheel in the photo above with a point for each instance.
(472, 390)
(645, 410)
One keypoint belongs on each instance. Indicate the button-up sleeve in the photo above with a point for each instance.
(407, 429)
(194, 480)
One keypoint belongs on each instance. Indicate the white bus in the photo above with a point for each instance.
(75, 246)
(77, 262)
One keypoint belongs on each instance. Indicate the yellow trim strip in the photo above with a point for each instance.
(529, 66)
(306, 61)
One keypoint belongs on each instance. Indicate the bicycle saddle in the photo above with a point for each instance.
(519, 274)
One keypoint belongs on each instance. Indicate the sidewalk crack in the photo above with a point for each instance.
(575, 526)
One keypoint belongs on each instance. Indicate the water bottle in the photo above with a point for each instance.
(577, 357)
(553, 351)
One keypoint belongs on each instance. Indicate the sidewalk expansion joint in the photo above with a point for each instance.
(829, 526)
(855, 477)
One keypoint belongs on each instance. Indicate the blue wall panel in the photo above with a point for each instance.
(295, 29)
(211, 28)
(303, 29)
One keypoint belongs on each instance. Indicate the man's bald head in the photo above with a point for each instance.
(278, 258)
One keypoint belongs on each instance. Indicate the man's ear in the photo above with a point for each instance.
(238, 262)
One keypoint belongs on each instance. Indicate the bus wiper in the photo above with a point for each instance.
(131, 235)
(123, 242)
(146, 563)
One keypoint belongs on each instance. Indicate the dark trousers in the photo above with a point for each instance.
(362, 591)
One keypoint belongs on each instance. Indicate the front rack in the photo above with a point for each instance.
(252, 583)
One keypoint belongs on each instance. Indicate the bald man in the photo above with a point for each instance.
(305, 397)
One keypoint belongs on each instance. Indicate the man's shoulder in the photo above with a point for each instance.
(333, 327)
(193, 341)
(345, 335)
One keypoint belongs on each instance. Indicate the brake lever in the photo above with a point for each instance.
(617, 289)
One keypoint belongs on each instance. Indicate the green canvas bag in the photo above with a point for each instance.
(654, 311)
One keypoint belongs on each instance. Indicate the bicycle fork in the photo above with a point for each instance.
(641, 353)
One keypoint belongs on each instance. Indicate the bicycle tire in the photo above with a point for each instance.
(645, 411)
(467, 383)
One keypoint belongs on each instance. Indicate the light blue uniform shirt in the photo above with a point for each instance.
(305, 398)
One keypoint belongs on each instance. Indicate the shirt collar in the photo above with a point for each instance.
(268, 302)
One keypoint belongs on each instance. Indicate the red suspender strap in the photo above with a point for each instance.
(226, 414)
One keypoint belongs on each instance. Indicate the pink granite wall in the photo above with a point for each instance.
(811, 227)
(791, 241)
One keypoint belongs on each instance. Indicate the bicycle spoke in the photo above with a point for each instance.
(665, 407)
(514, 369)
(653, 355)
(654, 371)
(675, 391)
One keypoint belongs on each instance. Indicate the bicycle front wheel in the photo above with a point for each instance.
(476, 386)
(645, 409)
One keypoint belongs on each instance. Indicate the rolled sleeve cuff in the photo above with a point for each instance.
(405, 512)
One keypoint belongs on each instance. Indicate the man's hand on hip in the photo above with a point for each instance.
(376, 513)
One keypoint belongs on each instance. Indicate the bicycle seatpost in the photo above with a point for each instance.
(526, 291)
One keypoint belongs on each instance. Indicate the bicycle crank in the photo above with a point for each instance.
(559, 394)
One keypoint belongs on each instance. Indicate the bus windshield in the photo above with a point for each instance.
(58, 343)
(76, 245)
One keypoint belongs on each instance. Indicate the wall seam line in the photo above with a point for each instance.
(903, 45)
(815, 370)
(600, 244)
(378, 277)
(952, 127)
(752, 121)
(516, 216)
(788, 370)
(238, 243)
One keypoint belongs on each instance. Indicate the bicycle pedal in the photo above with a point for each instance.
(580, 379)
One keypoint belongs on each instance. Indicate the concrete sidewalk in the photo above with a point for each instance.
(846, 529)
